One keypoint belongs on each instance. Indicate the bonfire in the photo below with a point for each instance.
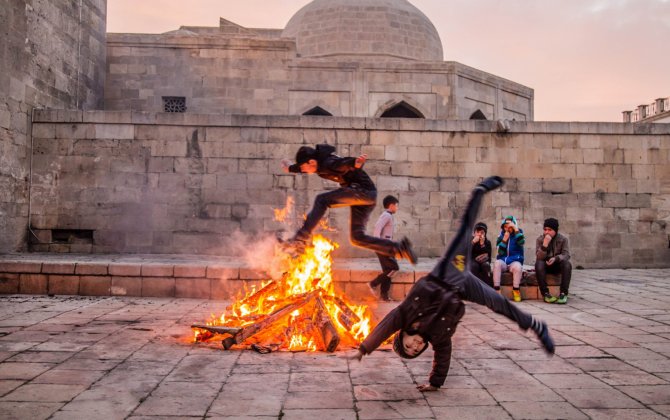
(301, 311)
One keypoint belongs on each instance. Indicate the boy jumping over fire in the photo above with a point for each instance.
(356, 191)
(434, 306)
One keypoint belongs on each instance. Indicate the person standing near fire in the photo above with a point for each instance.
(356, 191)
(384, 229)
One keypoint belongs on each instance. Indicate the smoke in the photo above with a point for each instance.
(259, 252)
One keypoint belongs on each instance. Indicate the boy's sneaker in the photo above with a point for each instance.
(549, 298)
(293, 246)
(562, 299)
(540, 328)
(406, 251)
(516, 295)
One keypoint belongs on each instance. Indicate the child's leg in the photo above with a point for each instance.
(359, 219)
(340, 197)
(517, 270)
(566, 275)
(498, 268)
(476, 291)
(390, 268)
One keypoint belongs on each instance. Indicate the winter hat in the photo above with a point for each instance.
(512, 218)
(482, 226)
(399, 349)
(551, 223)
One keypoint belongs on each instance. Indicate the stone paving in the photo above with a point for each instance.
(74, 357)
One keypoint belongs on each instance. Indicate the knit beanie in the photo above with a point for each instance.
(551, 223)
(482, 226)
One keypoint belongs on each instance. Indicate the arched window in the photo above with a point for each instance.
(318, 111)
(402, 110)
(478, 115)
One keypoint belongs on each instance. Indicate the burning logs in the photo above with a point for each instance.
(327, 330)
(299, 312)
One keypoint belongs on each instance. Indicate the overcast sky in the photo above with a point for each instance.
(587, 60)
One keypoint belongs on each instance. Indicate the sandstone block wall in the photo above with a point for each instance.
(187, 183)
(264, 76)
(52, 54)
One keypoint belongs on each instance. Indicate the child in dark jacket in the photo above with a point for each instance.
(480, 257)
(356, 191)
(433, 307)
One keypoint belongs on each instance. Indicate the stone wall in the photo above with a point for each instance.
(52, 54)
(187, 183)
(263, 76)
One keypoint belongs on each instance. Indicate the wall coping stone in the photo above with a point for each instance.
(354, 123)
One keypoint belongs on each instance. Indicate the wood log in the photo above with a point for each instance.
(347, 317)
(253, 299)
(217, 329)
(323, 323)
(251, 330)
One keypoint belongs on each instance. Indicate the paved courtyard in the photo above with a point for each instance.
(72, 357)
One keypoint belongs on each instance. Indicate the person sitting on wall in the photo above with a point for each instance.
(480, 263)
(552, 251)
(356, 191)
(510, 255)
(434, 306)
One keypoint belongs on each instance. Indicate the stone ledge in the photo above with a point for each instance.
(188, 276)
(42, 116)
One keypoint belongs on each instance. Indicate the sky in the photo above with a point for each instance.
(587, 60)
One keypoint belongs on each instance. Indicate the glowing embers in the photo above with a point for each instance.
(299, 312)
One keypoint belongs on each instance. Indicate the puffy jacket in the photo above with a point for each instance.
(339, 169)
(513, 249)
(434, 310)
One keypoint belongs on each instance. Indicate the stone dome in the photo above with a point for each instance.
(364, 30)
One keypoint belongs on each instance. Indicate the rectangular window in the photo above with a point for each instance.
(174, 104)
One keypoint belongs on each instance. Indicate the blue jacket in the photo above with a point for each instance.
(513, 249)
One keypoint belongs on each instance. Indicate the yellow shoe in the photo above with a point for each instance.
(516, 294)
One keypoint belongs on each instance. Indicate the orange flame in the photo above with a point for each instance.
(282, 214)
(307, 284)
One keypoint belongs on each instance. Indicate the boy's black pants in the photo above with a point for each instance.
(362, 202)
(482, 271)
(383, 280)
(563, 267)
(476, 291)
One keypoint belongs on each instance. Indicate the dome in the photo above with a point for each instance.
(364, 29)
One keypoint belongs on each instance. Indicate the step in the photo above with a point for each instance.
(189, 276)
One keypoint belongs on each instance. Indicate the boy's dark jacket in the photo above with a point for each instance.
(437, 309)
(478, 249)
(339, 169)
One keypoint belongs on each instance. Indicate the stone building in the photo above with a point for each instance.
(367, 58)
(52, 55)
(656, 112)
(133, 178)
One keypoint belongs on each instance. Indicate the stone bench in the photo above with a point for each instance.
(528, 286)
(198, 277)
